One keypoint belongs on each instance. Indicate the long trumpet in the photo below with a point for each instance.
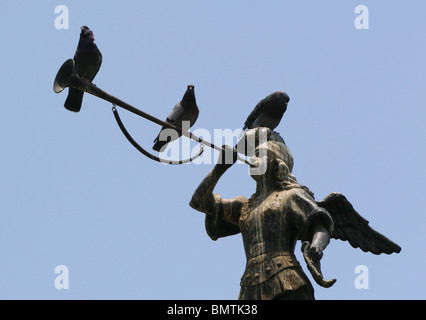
(67, 77)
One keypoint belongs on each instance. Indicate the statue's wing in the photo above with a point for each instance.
(350, 226)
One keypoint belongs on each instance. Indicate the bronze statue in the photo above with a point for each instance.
(280, 212)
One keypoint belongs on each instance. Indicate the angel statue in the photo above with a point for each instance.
(280, 212)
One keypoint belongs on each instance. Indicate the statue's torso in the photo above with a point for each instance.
(267, 226)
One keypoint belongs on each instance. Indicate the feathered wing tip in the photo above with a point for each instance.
(350, 226)
(74, 100)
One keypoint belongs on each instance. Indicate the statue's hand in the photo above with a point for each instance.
(311, 251)
(313, 255)
(227, 157)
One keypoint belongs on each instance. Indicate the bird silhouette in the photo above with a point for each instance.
(185, 110)
(268, 112)
(88, 60)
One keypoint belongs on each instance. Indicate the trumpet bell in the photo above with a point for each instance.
(64, 76)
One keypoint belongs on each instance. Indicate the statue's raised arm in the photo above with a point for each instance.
(221, 214)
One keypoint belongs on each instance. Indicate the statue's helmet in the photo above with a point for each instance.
(263, 139)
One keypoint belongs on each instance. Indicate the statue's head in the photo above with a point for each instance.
(269, 150)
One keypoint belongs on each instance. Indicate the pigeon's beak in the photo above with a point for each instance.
(91, 36)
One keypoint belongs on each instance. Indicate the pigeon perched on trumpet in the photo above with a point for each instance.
(88, 60)
(185, 110)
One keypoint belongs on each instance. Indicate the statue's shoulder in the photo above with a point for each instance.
(288, 198)
(291, 193)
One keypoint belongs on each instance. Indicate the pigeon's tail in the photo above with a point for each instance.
(159, 145)
(74, 100)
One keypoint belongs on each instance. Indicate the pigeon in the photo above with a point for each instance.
(185, 110)
(88, 60)
(268, 112)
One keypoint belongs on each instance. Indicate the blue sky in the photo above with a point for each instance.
(74, 192)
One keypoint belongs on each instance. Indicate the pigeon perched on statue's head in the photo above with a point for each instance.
(86, 33)
(88, 60)
(185, 110)
(268, 112)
